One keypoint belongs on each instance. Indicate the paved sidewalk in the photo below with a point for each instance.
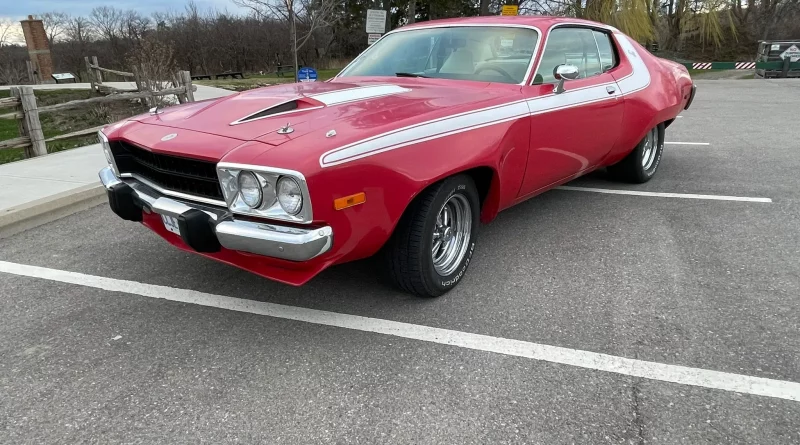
(202, 93)
(38, 190)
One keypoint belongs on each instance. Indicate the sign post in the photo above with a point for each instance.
(376, 25)
(307, 74)
(509, 10)
(376, 21)
(793, 53)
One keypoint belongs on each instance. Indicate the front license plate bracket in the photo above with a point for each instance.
(171, 224)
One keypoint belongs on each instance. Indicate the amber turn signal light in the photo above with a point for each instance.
(350, 201)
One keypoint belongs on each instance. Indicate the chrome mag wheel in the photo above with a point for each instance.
(451, 234)
(650, 149)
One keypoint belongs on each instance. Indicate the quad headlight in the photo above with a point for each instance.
(250, 189)
(290, 196)
(266, 192)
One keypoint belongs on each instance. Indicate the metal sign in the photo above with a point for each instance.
(307, 74)
(793, 53)
(64, 77)
(376, 21)
(372, 38)
(509, 10)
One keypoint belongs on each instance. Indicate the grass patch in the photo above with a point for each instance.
(258, 80)
(56, 123)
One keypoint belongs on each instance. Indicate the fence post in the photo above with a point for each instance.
(186, 78)
(30, 125)
(31, 76)
(99, 73)
(89, 73)
(177, 81)
(142, 86)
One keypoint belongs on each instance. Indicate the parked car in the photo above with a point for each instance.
(431, 131)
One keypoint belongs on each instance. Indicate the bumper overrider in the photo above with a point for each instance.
(691, 97)
(209, 229)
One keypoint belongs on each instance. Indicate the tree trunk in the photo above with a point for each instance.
(484, 7)
(412, 10)
(387, 5)
(293, 37)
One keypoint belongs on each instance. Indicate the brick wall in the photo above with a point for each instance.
(38, 47)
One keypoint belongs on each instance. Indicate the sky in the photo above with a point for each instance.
(18, 10)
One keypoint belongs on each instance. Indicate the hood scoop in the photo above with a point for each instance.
(291, 106)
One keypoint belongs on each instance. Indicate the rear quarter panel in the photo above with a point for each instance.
(662, 100)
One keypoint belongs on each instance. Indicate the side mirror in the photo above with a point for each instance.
(562, 73)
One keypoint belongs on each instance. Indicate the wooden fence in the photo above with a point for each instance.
(26, 112)
(182, 78)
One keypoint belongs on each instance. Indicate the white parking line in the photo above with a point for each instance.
(687, 143)
(572, 357)
(664, 195)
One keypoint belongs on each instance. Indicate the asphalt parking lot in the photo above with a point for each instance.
(635, 284)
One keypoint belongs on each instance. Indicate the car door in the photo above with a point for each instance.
(573, 130)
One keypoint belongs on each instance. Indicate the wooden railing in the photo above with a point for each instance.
(26, 112)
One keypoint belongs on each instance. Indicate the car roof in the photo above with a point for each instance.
(540, 21)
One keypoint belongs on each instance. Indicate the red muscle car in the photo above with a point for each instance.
(431, 131)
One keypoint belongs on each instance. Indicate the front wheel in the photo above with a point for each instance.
(433, 243)
(641, 164)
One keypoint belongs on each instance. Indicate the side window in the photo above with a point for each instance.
(608, 58)
(573, 46)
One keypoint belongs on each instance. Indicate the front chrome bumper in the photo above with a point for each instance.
(205, 228)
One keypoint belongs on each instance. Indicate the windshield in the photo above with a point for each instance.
(489, 54)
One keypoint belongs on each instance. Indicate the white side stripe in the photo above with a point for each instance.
(664, 195)
(554, 354)
(425, 131)
(639, 78)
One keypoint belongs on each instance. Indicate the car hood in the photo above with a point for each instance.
(335, 112)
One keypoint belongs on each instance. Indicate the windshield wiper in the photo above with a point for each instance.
(411, 75)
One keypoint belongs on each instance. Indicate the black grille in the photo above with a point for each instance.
(174, 173)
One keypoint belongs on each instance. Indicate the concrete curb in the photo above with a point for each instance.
(51, 208)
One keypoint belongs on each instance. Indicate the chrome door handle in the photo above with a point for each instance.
(611, 90)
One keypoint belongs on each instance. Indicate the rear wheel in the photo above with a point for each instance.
(641, 164)
(433, 243)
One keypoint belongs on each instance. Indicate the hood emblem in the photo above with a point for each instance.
(169, 137)
(286, 130)
(330, 133)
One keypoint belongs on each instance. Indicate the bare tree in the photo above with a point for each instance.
(134, 25)
(311, 14)
(6, 25)
(108, 22)
(55, 24)
(78, 29)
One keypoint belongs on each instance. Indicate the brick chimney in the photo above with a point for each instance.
(38, 48)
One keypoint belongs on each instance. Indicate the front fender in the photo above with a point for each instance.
(392, 179)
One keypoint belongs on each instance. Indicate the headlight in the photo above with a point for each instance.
(290, 196)
(250, 189)
(265, 192)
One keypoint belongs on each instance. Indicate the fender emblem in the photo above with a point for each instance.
(169, 137)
